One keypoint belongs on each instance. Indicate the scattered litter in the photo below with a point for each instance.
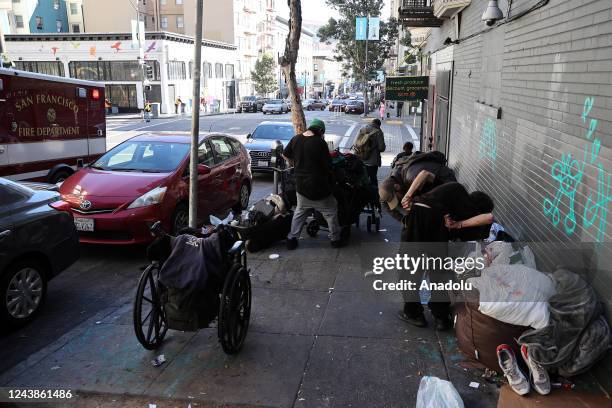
(203, 393)
(488, 372)
(55, 368)
(152, 405)
(318, 306)
(474, 384)
(159, 360)
(565, 385)
(190, 397)
(274, 256)
(382, 230)
(386, 240)
(98, 322)
(330, 289)
(369, 273)
(435, 392)
(302, 399)
(380, 313)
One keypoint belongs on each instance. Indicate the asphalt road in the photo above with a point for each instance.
(105, 277)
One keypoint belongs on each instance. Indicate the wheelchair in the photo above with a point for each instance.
(228, 300)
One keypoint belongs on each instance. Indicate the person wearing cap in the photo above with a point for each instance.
(309, 154)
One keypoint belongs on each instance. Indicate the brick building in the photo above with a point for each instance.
(523, 109)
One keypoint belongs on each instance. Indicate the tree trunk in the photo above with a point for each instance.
(288, 60)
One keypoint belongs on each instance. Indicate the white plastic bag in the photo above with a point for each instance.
(437, 393)
(515, 294)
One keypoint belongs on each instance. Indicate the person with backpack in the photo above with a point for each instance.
(368, 146)
(312, 163)
(406, 152)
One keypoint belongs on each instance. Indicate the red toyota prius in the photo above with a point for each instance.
(144, 179)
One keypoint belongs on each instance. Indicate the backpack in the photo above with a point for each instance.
(365, 143)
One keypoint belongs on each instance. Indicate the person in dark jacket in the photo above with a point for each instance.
(406, 152)
(312, 164)
(444, 213)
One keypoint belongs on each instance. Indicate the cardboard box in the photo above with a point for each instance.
(556, 399)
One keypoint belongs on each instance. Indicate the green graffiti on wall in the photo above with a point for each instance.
(568, 172)
(488, 140)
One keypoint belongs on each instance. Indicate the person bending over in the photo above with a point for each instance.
(433, 218)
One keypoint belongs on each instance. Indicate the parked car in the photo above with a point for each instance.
(313, 104)
(38, 240)
(263, 139)
(145, 179)
(251, 104)
(337, 105)
(354, 106)
(275, 106)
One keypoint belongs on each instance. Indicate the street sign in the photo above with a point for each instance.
(374, 29)
(361, 28)
(406, 88)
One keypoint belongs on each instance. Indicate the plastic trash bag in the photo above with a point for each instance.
(437, 393)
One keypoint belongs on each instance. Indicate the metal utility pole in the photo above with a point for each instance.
(195, 118)
(366, 109)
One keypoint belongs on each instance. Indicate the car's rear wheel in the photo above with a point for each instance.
(180, 218)
(23, 289)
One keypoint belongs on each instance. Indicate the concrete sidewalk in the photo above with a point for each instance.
(319, 337)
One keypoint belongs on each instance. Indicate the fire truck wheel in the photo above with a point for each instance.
(60, 176)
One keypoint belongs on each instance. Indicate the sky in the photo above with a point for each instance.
(318, 11)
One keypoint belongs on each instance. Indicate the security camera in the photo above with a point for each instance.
(492, 14)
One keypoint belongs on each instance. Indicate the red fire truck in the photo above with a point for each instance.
(49, 126)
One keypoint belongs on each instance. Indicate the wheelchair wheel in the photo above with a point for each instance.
(235, 309)
(150, 324)
(313, 228)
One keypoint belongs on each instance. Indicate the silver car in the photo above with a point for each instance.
(275, 106)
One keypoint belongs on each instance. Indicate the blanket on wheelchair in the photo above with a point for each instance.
(191, 263)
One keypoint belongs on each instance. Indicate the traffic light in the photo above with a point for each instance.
(149, 72)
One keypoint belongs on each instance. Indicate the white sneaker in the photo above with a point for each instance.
(509, 365)
(539, 375)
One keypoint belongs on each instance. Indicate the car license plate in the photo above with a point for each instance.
(262, 163)
(84, 224)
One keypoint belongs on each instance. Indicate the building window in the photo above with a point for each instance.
(56, 4)
(164, 22)
(111, 70)
(180, 23)
(229, 71)
(42, 67)
(176, 70)
(179, 1)
(76, 28)
(39, 22)
(19, 21)
(218, 70)
(58, 25)
(74, 8)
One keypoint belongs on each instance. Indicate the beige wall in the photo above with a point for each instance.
(218, 22)
(113, 16)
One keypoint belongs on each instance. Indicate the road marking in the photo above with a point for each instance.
(347, 136)
(413, 134)
(158, 124)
